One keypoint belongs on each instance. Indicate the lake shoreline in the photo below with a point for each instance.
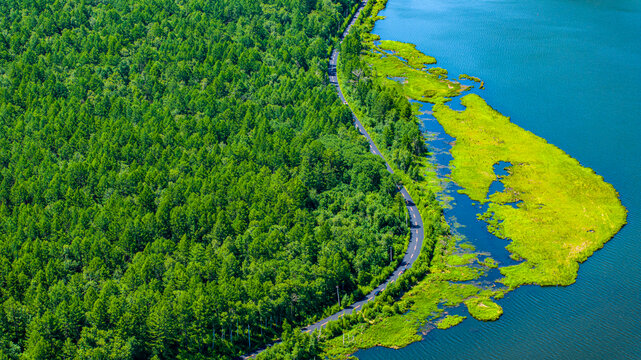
(394, 77)
(547, 75)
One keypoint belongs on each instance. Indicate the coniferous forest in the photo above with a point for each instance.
(179, 177)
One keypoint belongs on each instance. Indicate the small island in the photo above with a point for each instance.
(484, 309)
(449, 321)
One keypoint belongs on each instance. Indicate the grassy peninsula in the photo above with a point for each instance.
(392, 61)
(408, 52)
(473, 78)
(563, 212)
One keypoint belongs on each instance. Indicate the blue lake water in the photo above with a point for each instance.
(569, 71)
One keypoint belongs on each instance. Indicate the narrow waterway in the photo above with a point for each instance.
(568, 71)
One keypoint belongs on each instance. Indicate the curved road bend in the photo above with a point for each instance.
(415, 220)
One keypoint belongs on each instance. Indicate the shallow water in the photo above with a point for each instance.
(568, 71)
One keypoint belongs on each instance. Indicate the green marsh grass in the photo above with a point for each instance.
(449, 321)
(564, 211)
(484, 309)
(473, 78)
(419, 84)
(414, 57)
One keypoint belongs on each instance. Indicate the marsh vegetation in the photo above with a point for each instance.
(552, 211)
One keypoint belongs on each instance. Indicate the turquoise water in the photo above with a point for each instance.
(569, 71)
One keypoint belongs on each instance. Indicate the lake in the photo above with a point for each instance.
(568, 71)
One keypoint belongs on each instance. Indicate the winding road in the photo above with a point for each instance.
(415, 220)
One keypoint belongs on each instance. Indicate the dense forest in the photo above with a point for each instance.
(179, 179)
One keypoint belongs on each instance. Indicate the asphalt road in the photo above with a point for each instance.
(415, 220)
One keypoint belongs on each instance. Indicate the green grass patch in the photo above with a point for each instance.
(473, 78)
(462, 259)
(419, 85)
(566, 211)
(467, 246)
(449, 321)
(490, 263)
(414, 57)
(468, 77)
(440, 72)
(484, 309)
